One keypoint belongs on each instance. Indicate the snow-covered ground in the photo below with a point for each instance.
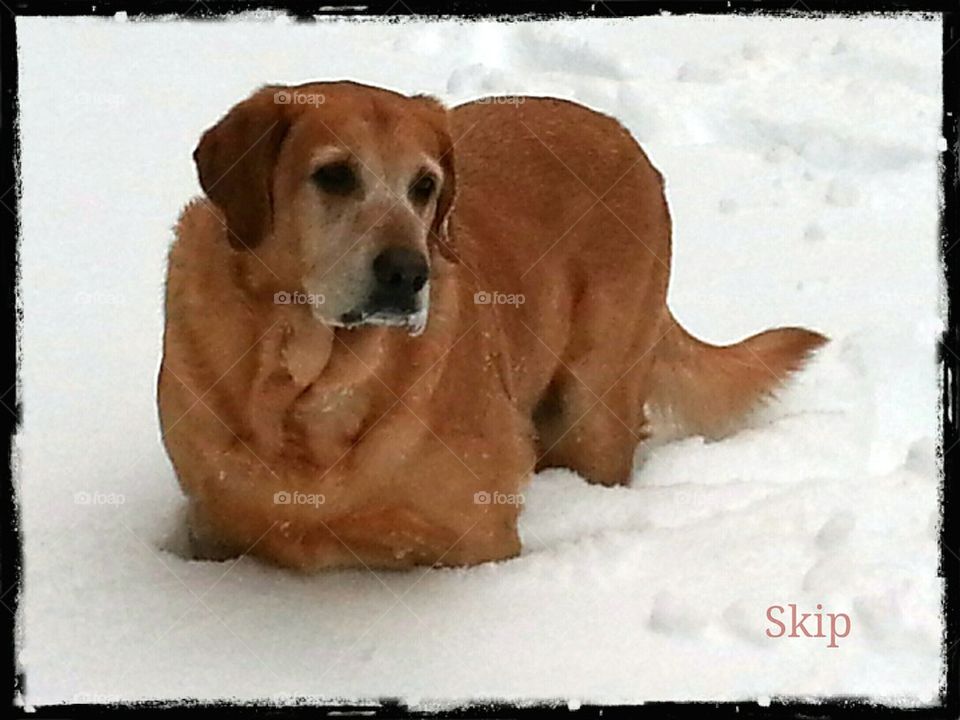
(801, 162)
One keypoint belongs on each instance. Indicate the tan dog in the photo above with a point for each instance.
(388, 315)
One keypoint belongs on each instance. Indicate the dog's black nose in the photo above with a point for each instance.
(400, 271)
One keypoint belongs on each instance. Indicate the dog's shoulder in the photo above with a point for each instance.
(200, 234)
(200, 254)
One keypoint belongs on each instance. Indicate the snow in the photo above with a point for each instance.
(801, 163)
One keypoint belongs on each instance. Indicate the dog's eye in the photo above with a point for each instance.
(422, 188)
(336, 178)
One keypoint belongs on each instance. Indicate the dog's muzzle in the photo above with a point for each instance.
(399, 294)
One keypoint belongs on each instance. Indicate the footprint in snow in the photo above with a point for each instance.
(831, 572)
(835, 530)
(842, 194)
(747, 621)
(778, 154)
(696, 73)
(672, 615)
(727, 206)
(813, 233)
(922, 459)
(751, 51)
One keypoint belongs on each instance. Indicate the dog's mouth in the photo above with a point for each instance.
(414, 319)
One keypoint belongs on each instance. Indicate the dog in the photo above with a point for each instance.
(385, 315)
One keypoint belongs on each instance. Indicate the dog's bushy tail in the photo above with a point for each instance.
(703, 389)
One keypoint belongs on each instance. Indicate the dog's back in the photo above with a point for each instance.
(563, 209)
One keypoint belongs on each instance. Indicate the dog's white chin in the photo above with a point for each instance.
(415, 323)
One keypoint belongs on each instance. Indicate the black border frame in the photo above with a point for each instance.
(212, 10)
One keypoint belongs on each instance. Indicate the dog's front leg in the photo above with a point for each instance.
(291, 357)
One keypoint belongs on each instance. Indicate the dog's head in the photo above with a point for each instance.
(343, 191)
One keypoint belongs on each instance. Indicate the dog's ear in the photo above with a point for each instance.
(441, 231)
(235, 161)
(441, 234)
